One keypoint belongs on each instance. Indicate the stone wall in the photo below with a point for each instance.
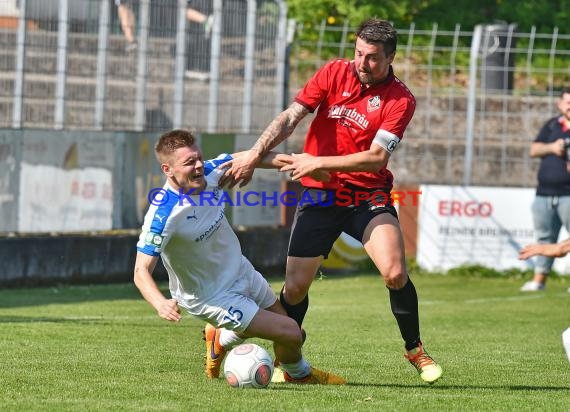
(94, 258)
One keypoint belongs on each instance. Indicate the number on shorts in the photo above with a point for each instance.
(234, 316)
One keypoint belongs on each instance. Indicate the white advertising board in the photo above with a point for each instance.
(54, 199)
(476, 225)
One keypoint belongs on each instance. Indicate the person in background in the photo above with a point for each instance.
(205, 20)
(127, 21)
(198, 50)
(551, 205)
(208, 276)
(363, 110)
(551, 250)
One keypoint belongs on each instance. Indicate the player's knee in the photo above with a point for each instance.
(297, 283)
(296, 337)
(292, 335)
(293, 296)
(395, 279)
(295, 292)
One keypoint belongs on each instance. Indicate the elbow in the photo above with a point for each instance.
(377, 169)
(376, 159)
(539, 149)
(376, 166)
(371, 168)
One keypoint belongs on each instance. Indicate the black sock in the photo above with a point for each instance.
(297, 311)
(404, 303)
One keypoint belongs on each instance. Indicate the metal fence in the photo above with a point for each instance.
(482, 96)
(65, 64)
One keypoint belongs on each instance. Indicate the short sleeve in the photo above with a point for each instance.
(155, 233)
(399, 114)
(316, 88)
(545, 133)
(212, 171)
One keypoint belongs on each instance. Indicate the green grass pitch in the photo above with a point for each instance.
(103, 348)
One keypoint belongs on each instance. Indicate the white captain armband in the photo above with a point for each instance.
(386, 140)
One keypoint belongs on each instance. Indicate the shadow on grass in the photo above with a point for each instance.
(63, 294)
(444, 387)
(77, 320)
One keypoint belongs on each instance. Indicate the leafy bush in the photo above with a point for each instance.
(474, 271)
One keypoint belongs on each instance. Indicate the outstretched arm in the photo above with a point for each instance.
(304, 164)
(545, 249)
(272, 160)
(278, 130)
(166, 308)
(275, 160)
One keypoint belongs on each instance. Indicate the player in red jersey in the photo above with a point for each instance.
(362, 113)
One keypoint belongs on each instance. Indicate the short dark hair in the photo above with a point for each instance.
(172, 140)
(565, 90)
(379, 31)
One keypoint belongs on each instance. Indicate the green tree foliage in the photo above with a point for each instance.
(351, 11)
(543, 14)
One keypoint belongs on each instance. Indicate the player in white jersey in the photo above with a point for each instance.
(208, 275)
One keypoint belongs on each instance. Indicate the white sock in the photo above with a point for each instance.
(566, 342)
(229, 339)
(298, 369)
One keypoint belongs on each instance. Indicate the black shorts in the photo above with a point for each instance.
(322, 215)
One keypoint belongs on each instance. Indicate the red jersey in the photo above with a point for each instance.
(349, 116)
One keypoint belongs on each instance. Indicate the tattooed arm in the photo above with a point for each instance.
(280, 128)
(241, 170)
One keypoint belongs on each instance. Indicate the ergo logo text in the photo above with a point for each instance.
(467, 209)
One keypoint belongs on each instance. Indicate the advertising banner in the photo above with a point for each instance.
(476, 225)
(66, 182)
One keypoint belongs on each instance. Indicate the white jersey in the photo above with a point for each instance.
(198, 246)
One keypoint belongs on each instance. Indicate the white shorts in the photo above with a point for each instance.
(235, 308)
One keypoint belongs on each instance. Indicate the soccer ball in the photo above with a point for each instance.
(248, 366)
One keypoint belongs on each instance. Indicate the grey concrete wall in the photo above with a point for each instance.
(10, 155)
(83, 258)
